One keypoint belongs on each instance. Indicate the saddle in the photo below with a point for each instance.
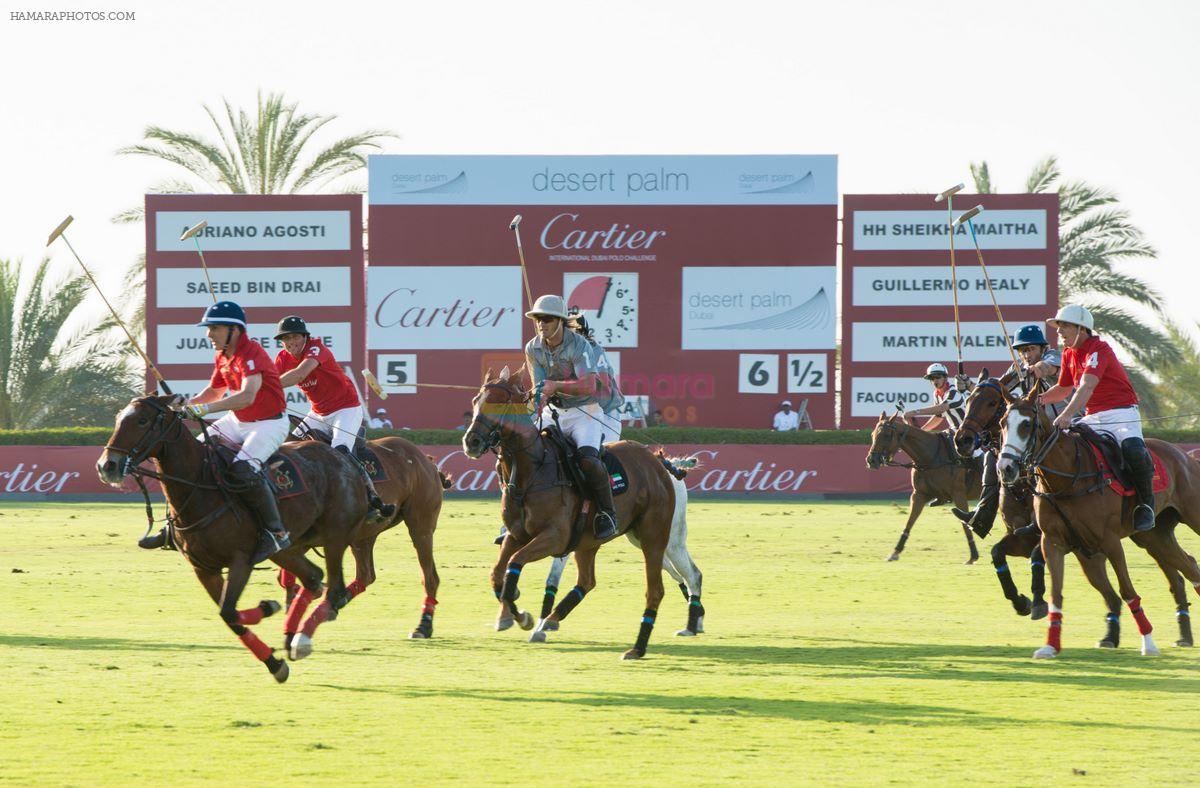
(1110, 462)
(365, 455)
(568, 455)
(284, 476)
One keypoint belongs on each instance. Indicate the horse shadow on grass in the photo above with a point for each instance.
(854, 712)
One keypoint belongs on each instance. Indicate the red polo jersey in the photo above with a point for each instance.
(249, 359)
(327, 387)
(1096, 358)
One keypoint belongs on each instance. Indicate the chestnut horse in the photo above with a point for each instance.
(1077, 510)
(937, 472)
(547, 507)
(215, 532)
(981, 426)
(414, 484)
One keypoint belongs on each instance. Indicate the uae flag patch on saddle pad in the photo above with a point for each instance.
(616, 473)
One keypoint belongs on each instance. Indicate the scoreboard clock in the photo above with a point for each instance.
(610, 304)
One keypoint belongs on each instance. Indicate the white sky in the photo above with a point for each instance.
(905, 93)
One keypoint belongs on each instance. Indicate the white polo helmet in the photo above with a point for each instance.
(936, 369)
(1074, 314)
(550, 305)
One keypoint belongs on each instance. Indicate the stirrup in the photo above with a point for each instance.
(155, 541)
(269, 543)
(1147, 525)
(604, 526)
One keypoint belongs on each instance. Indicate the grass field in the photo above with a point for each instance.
(821, 663)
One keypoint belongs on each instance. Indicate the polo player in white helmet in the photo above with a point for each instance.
(949, 402)
(1104, 394)
(563, 365)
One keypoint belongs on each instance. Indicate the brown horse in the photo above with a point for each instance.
(1077, 510)
(215, 532)
(544, 508)
(981, 426)
(414, 484)
(937, 472)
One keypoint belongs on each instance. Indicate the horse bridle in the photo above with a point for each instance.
(154, 436)
(979, 430)
(1032, 457)
(494, 435)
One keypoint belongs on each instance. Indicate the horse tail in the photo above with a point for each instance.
(447, 479)
(677, 466)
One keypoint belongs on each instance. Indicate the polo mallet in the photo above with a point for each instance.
(193, 232)
(61, 232)
(948, 196)
(373, 382)
(967, 216)
(515, 226)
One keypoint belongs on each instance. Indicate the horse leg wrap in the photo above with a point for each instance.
(1113, 623)
(317, 617)
(1037, 574)
(286, 579)
(296, 610)
(683, 587)
(573, 598)
(428, 606)
(647, 627)
(1139, 615)
(250, 617)
(356, 588)
(695, 611)
(1054, 631)
(257, 647)
(548, 600)
(1006, 582)
(903, 539)
(508, 592)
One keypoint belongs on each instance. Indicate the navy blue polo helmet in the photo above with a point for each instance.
(224, 313)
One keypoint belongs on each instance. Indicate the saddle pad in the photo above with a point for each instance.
(285, 477)
(366, 455)
(1160, 480)
(616, 473)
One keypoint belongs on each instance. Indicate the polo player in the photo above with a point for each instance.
(1039, 369)
(1105, 396)
(563, 366)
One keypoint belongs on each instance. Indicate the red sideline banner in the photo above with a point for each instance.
(729, 469)
(724, 469)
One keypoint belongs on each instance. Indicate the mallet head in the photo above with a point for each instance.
(374, 384)
(953, 190)
(192, 231)
(967, 216)
(59, 230)
(515, 222)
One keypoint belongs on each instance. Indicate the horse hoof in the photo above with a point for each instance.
(895, 556)
(281, 671)
(1039, 611)
(417, 634)
(1046, 652)
(269, 607)
(633, 653)
(504, 622)
(1106, 643)
(548, 625)
(301, 647)
(1022, 605)
(685, 633)
(971, 560)
(527, 620)
(1183, 643)
(700, 625)
(538, 636)
(1148, 647)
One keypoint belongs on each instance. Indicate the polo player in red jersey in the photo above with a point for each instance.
(246, 385)
(334, 406)
(1105, 395)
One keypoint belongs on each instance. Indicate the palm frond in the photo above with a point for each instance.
(1044, 174)
(982, 178)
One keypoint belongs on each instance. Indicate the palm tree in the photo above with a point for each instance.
(1096, 237)
(1179, 386)
(48, 375)
(271, 151)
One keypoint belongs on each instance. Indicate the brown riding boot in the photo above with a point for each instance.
(604, 525)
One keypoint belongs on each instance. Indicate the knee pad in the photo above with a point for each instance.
(589, 452)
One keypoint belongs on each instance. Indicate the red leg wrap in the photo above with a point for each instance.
(316, 618)
(256, 646)
(356, 588)
(430, 604)
(249, 618)
(296, 612)
(1054, 632)
(1139, 615)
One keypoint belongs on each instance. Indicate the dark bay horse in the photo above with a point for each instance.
(936, 472)
(215, 532)
(984, 409)
(547, 508)
(1078, 511)
(415, 485)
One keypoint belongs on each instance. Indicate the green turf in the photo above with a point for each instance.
(822, 663)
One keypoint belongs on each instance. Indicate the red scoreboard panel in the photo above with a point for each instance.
(710, 281)
(897, 302)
